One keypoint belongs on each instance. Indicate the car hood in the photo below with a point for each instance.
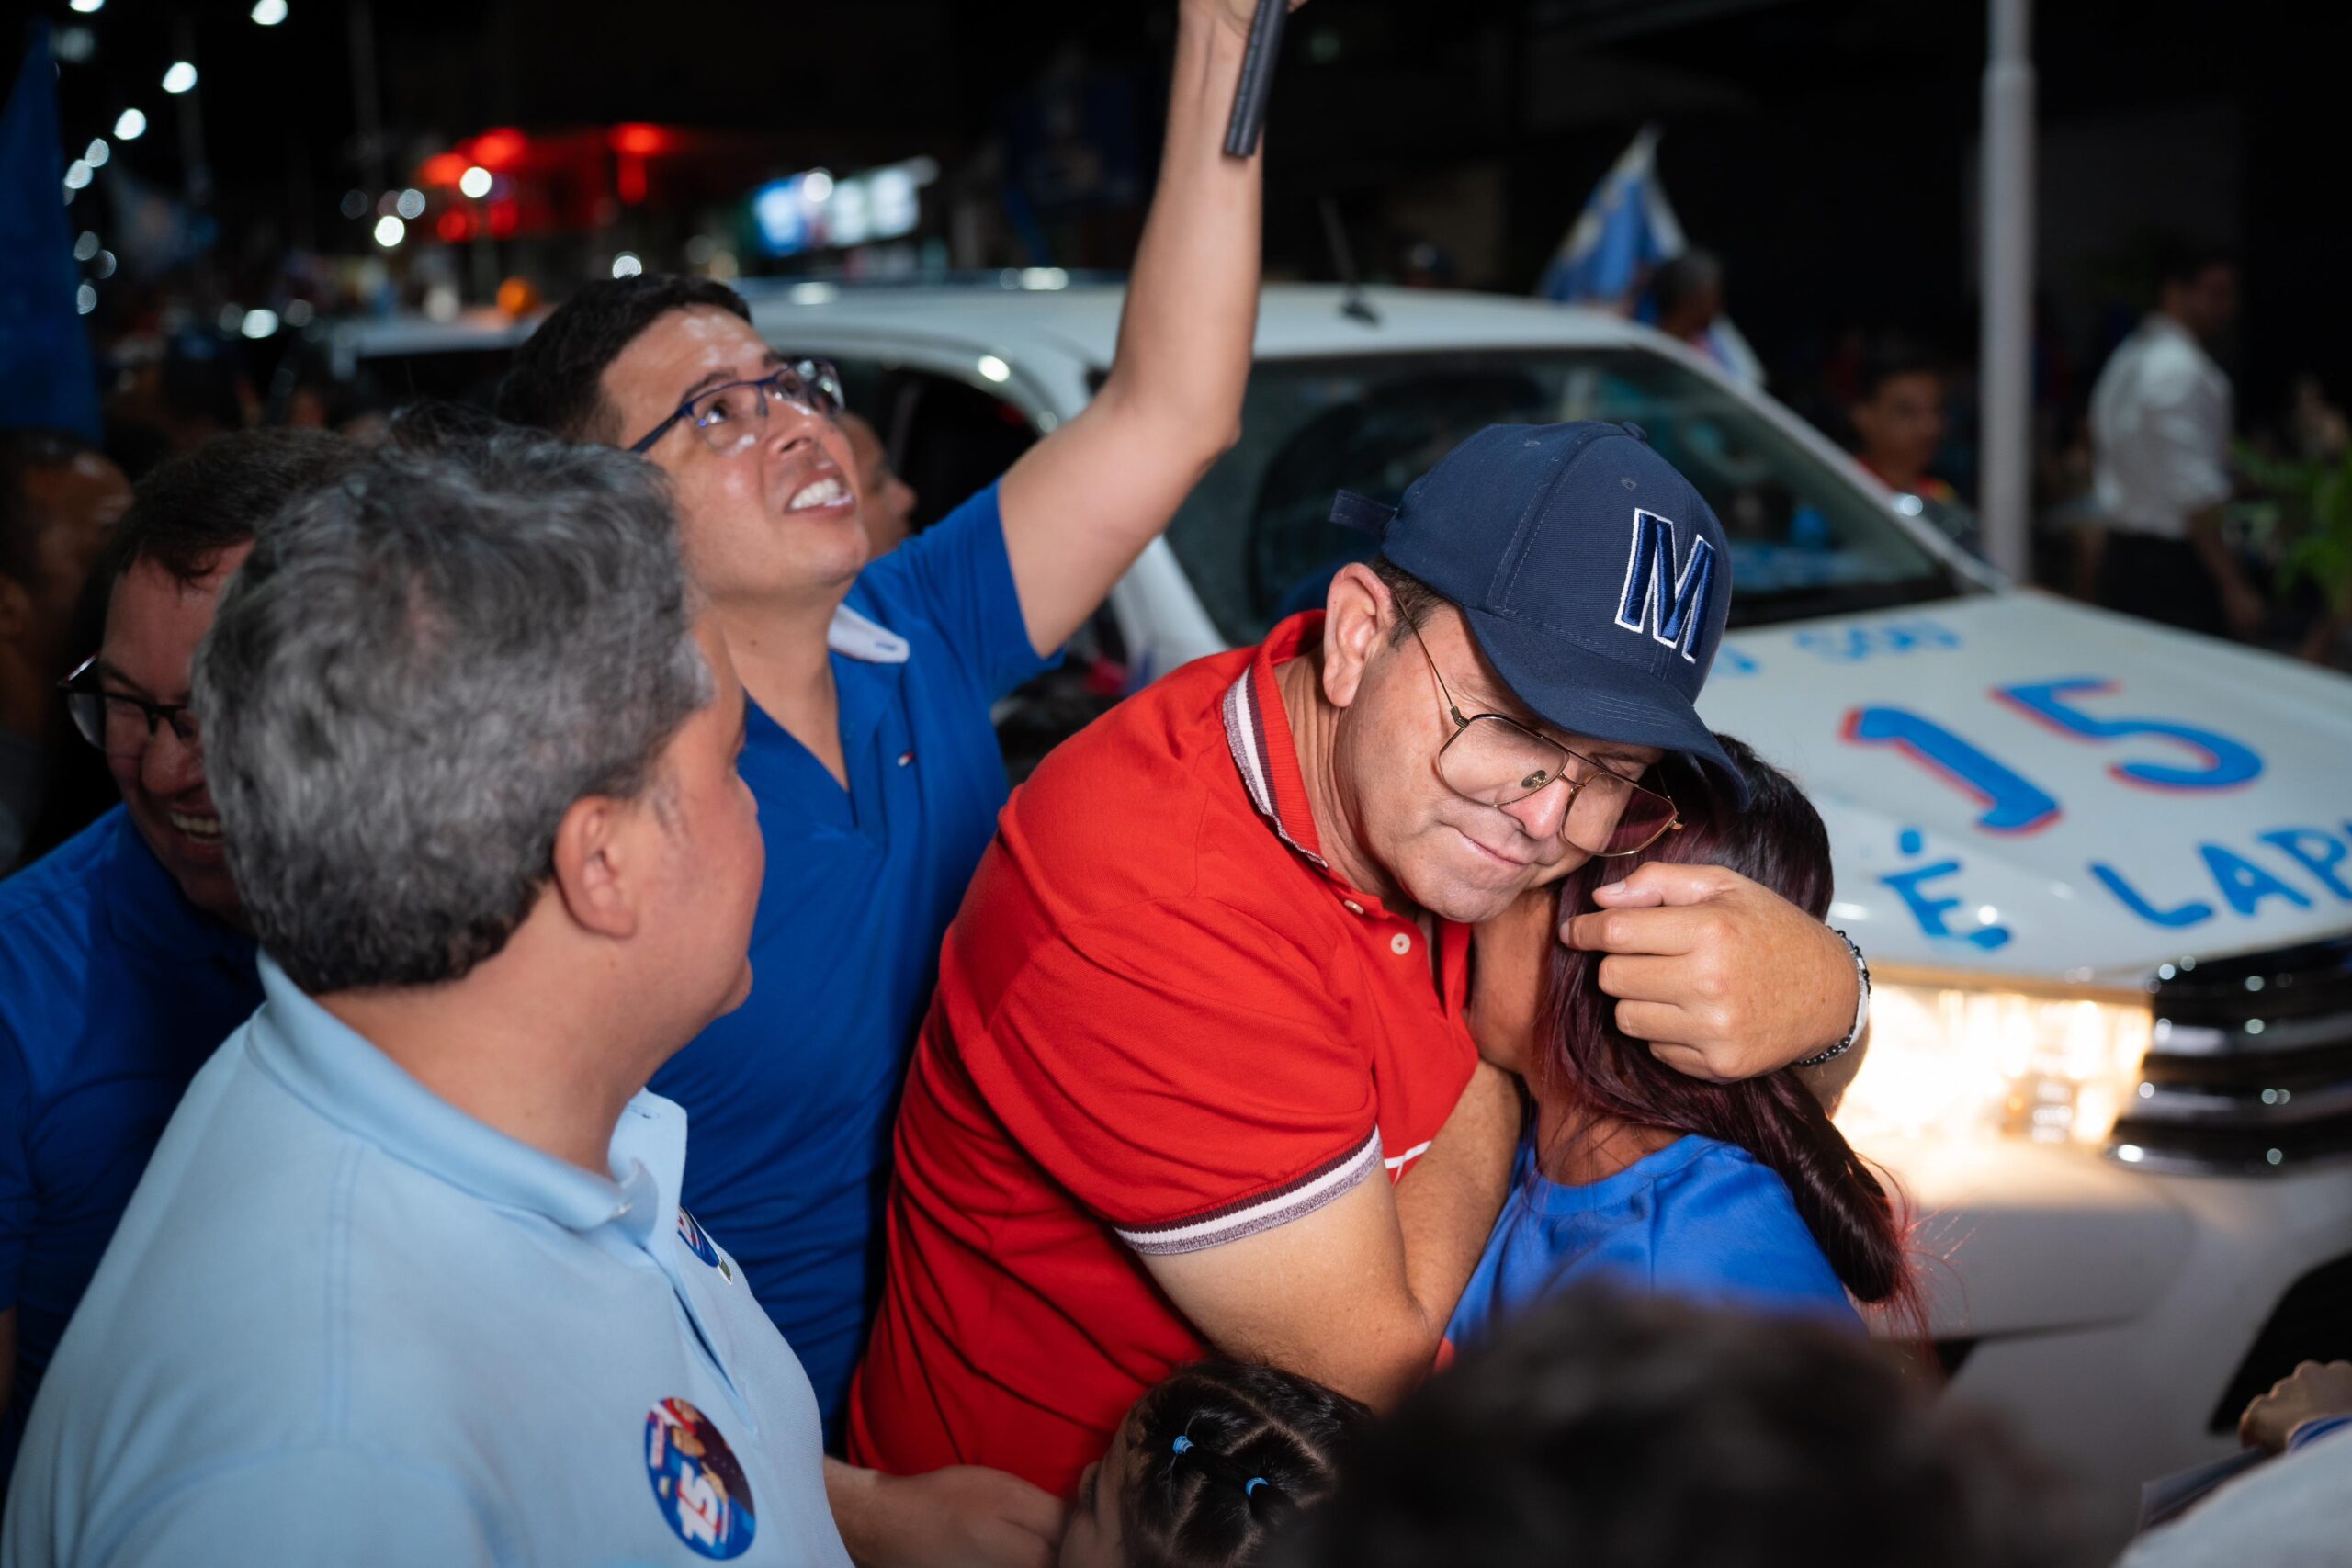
(2016, 783)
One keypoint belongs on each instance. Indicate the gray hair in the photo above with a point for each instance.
(424, 663)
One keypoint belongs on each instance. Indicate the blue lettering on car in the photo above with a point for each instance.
(2242, 882)
(2224, 763)
(1852, 645)
(1931, 910)
(2295, 844)
(2013, 803)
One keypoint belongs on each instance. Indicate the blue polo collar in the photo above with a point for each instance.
(333, 1069)
(145, 908)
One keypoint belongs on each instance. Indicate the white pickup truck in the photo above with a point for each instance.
(2103, 870)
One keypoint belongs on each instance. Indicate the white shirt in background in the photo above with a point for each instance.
(2161, 418)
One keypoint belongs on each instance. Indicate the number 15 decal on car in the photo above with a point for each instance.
(2224, 763)
(2015, 804)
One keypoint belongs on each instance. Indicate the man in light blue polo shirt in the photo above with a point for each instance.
(123, 959)
(408, 1279)
(871, 749)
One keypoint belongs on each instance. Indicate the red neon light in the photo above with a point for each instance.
(500, 149)
(640, 141)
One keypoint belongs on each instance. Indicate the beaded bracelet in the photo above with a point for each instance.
(1861, 1006)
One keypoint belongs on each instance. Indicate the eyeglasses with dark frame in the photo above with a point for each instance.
(116, 722)
(1497, 761)
(730, 417)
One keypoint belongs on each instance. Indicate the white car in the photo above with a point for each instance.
(2103, 870)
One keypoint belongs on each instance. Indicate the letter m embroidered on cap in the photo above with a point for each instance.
(1667, 602)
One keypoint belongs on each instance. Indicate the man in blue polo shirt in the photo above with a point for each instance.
(871, 750)
(122, 963)
(408, 1279)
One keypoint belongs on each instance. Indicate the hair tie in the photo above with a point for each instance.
(1183, 1443)
(1255, 1482)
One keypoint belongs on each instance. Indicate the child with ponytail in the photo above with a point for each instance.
(1743, 1193)
(1208, 1466)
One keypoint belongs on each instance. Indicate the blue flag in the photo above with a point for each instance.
(1624, 230)
(1627, 227)
(47, 374)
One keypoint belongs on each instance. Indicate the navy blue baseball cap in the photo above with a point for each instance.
(1593, 575)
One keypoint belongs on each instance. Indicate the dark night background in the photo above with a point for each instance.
(1824, 147)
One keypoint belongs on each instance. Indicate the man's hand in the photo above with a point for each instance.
(963, 1516)
(2314, 1390)
(2243, 608)
(1724, 979)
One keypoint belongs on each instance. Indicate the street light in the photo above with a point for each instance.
(474, 183)
(87, 7)
(270, 13)
(179, 78)
(129, 126)
(96, 155)
(390, 231)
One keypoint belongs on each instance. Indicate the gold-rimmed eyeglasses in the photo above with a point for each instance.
(1497, 760)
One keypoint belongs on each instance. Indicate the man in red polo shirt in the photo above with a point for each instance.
(1213, 975)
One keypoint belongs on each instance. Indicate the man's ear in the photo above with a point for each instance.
(1358, 614)
(599, 864)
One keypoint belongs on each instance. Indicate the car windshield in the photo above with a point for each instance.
(1257, 541)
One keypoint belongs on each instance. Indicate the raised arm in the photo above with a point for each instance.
(1357, 1294)
(1082, 505)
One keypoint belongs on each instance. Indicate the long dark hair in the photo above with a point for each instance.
(1226, 1454)
(1778, 842)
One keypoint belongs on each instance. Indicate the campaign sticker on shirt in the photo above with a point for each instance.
(697, 1241)
(697, 1482)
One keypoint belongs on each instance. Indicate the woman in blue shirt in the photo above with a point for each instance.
(1733, 1192)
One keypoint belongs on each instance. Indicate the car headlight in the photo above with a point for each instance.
(1959, 1056)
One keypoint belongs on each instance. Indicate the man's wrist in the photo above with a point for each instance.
(851, 1492)
(2315, 1428)
(1861, 1005)
(1216, 17)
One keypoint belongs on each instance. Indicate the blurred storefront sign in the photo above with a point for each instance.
(815, 210)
